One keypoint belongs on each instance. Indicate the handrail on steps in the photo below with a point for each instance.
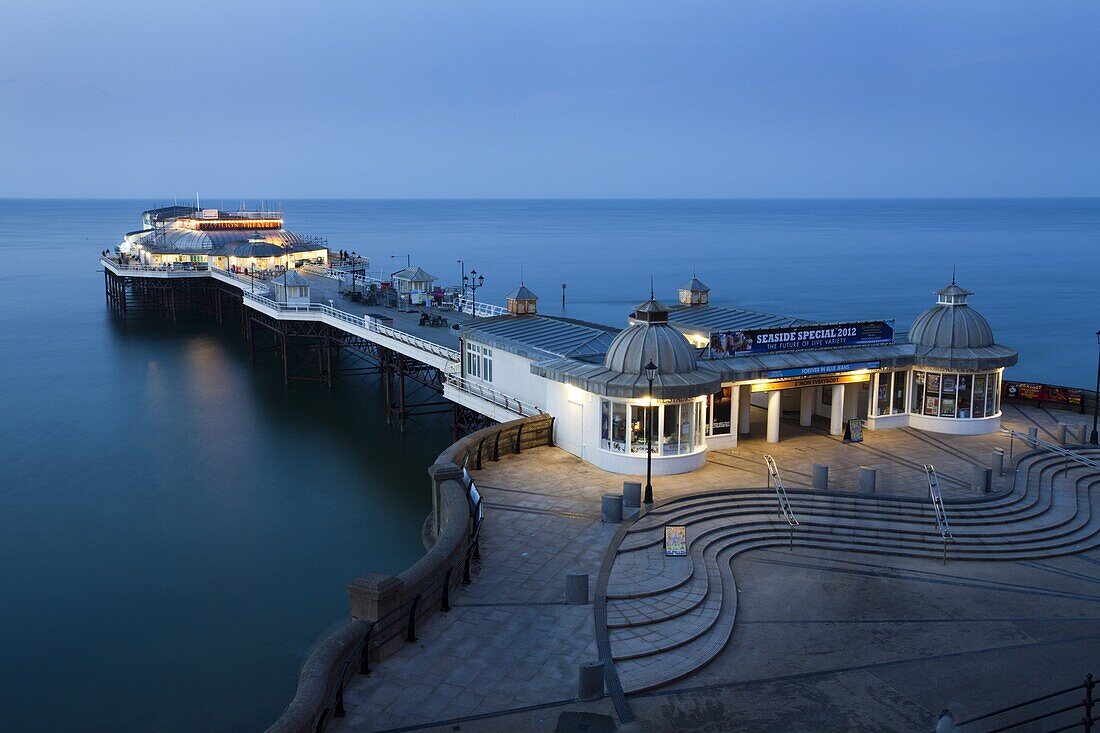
(938, 508)
(785, 510)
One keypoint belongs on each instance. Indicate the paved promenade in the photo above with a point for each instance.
(823, 640)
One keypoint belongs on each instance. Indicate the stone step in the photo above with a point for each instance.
(687, 613)
(625, 612)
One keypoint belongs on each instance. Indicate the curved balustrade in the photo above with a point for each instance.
(187, 269)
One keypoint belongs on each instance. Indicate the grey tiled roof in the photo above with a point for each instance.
(707, 318)
(538, 337)
(598, 379)
(413, 274)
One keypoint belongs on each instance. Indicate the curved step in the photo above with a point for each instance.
(672, 619)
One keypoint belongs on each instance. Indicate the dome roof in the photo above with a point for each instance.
(951, 323)
(651, 339)
(253, 248)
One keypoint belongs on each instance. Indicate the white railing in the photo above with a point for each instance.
(251, 283)
(489, 394)
(366, 322)
(1036, 442)
(186, 269)
(478, 310)
(334, 273)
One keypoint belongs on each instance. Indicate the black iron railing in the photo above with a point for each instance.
(1061, 714)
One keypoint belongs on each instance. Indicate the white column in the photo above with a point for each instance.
(775, 410)
(806, 407)
(744, 402)
(735, 402)
(836, 412)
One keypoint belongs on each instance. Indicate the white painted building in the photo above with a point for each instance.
(711, 365)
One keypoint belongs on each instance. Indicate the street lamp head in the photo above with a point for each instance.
(465, 279)
(650, 371)
(480, 280)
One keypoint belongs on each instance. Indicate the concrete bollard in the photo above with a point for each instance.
(590, 684)
(821, 476)
(1033, 432)
(998, 461)
(982, 479)
(1063, 433)
(867, 477)
(632, 494)
(576, 588)
(946, 723)
(611, 508)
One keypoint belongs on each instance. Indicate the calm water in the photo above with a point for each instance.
(177, 528)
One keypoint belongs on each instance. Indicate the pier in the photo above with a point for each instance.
(328, 336)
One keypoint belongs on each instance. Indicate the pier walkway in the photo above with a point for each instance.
(398, 330)
(824, 639)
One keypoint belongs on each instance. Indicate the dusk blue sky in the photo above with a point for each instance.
(549, 99)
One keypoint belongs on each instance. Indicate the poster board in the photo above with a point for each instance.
(853, 431)
(676, 536)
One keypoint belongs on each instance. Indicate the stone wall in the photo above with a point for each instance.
(386, 609)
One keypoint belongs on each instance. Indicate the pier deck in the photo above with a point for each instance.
(326, 291)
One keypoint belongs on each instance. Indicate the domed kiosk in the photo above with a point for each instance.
(625, 407)
(956, 373)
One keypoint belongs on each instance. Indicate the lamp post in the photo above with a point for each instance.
(473, 281)
(650, 375)
(1096, 394)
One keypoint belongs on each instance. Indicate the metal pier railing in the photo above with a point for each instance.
(785, 510)
(937, 507)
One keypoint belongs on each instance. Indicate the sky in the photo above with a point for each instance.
(562, 99)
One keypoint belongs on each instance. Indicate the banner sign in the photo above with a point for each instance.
(798, 338)
(1043, 393)
(810, 382)
(827, 369)
(676, 540)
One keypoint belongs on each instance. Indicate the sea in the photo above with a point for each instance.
(177, 527)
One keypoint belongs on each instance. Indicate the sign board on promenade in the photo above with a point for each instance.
(676, 540)
(853, 431)
(798, 338)
(1044, 393)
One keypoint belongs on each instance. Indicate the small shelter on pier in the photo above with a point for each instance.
(413, 283)
(291, 288)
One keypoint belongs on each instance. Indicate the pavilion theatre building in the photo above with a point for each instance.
(712, 365)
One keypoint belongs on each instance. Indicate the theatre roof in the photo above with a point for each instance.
(174, 240)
